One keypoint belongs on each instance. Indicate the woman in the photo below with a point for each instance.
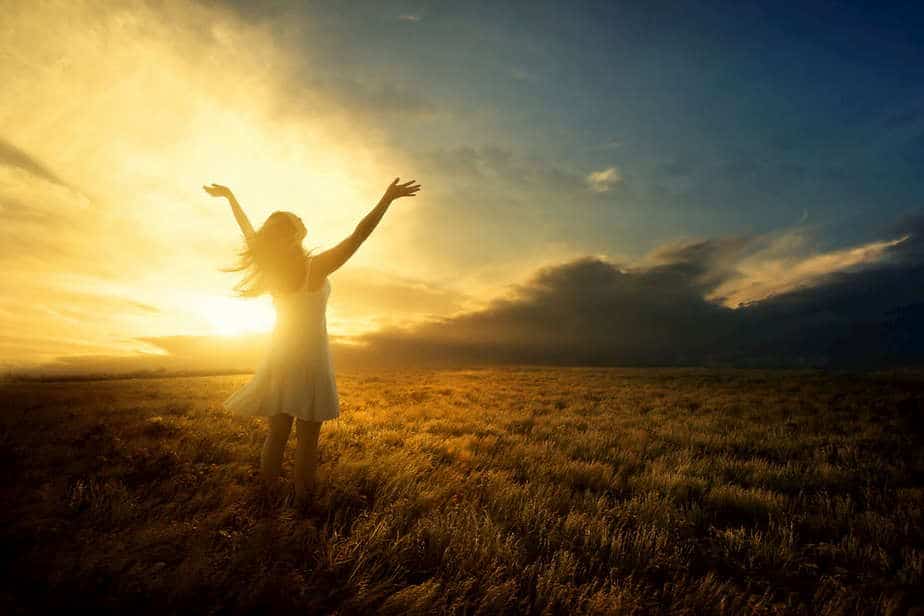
(294, 380)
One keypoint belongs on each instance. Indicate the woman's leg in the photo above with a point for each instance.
(275, 446)
(306, 456)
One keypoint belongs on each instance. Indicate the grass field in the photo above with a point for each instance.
(527, 490)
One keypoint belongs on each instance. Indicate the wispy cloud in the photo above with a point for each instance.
(12, 156)
(604, 180)
(772, 271)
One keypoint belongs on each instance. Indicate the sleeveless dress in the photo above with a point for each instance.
(296, 375)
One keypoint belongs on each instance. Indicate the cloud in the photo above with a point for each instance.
(603, 180)
(587, 311)
(11, 156)
(765, 273)
(658, 311)
(591, 311)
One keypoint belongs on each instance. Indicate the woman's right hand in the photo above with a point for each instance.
(217, 190)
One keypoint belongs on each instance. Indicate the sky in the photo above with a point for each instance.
(641, 183)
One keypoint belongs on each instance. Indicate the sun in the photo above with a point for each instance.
(231, 317)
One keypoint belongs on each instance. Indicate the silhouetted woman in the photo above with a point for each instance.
(294, 379)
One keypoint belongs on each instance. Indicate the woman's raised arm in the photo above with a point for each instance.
(328, 261)
(217, 190)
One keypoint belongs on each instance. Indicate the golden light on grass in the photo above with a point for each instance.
(709, 490)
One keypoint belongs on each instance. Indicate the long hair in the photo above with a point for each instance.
(273, 261)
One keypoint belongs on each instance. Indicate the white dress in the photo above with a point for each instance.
(296, 375)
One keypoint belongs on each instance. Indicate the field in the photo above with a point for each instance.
(521, 490)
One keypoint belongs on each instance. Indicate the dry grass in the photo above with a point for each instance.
(479, 492)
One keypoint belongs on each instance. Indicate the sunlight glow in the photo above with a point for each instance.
(230, 317)
(136, 244)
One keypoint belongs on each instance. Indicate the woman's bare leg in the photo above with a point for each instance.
(306, 456)
(275, 446)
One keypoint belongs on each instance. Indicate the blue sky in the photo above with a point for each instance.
(720, 117)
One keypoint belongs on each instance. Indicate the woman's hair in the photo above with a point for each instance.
(273, 261)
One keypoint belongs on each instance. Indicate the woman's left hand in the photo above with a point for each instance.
(396, 191)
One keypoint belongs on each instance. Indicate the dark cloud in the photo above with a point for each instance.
(584, 312)
(705, 263)
(593, 312)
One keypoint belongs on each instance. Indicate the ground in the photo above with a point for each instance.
(514, 490)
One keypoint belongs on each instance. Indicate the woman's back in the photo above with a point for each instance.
(301, 314)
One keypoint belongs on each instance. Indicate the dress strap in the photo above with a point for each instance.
(308, 273)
